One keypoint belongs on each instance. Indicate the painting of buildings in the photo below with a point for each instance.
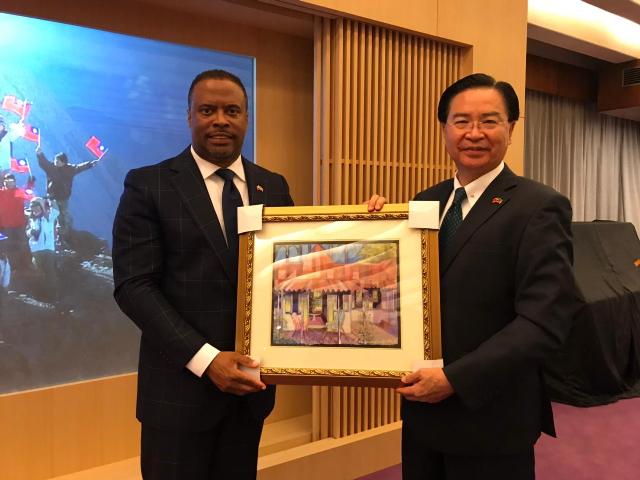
(336, 294)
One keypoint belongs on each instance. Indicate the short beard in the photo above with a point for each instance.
(220, 159)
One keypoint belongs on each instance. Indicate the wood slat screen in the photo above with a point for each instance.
(376, 94)
(376, 131)
(341, 411)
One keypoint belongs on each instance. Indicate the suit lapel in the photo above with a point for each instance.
(189, 184)
(442, 193)
(256, 183)
(495, 197)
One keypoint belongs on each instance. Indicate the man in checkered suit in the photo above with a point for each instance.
(175, 277)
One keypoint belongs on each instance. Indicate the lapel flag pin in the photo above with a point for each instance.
(637, 262)
(496, 200)
(259, 188)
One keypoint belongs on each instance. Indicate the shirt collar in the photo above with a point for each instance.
(207, 168)
(480, 184)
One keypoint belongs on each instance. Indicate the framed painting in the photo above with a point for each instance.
(336, 295)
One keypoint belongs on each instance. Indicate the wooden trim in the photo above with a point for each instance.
(347, 457)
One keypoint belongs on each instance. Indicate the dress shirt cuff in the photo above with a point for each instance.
(201, 360)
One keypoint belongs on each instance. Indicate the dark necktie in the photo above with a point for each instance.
(231, 200)
(452, 219)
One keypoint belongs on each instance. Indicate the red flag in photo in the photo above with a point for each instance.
(20, 165)
(31, 133)
(15, 105)
(96, 147)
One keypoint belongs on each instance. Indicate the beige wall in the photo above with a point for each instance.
(52, 431)
(59, 430)
(495, 31)
(420, 16)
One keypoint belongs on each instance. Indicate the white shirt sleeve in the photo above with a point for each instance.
(202, 359)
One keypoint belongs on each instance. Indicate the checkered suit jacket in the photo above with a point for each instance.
(170, 267)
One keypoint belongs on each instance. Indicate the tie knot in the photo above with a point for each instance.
(460, 195)
(225, 173)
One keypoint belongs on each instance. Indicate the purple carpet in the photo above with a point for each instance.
(594, 443)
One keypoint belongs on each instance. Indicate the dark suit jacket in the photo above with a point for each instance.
(171, 273)
(508, 297)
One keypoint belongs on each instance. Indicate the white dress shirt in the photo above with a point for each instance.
(474, 190)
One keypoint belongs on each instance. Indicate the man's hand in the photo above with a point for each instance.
(225, 373)
(38, 150)
(375, 203)
(426, 385)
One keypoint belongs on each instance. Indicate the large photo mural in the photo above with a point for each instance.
(79, 108)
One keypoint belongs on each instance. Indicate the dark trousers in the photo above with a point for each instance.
(65, 222)
(228, 451)
(420, 462)
(17, 248)
(46, 260)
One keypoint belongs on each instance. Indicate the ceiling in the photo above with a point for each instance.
(607, 30)
(629, 9)
(599, 35)
(563, 55)
(591, 34)
(272, 17)
(550, 23)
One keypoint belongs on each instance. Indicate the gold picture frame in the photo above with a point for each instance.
(294, 309)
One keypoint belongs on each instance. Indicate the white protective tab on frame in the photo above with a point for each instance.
(424, 215)
(250, 218)
(418, 364)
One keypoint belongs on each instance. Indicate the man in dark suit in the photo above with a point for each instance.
(507, 300)
(175, 271)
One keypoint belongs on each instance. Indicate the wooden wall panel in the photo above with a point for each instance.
(63, 429)
(377, 94)
(492, 37)
(53, 431)
(58, 430)
(612, 95)
(561, 79)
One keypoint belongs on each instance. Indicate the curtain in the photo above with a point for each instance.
(591, 158)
